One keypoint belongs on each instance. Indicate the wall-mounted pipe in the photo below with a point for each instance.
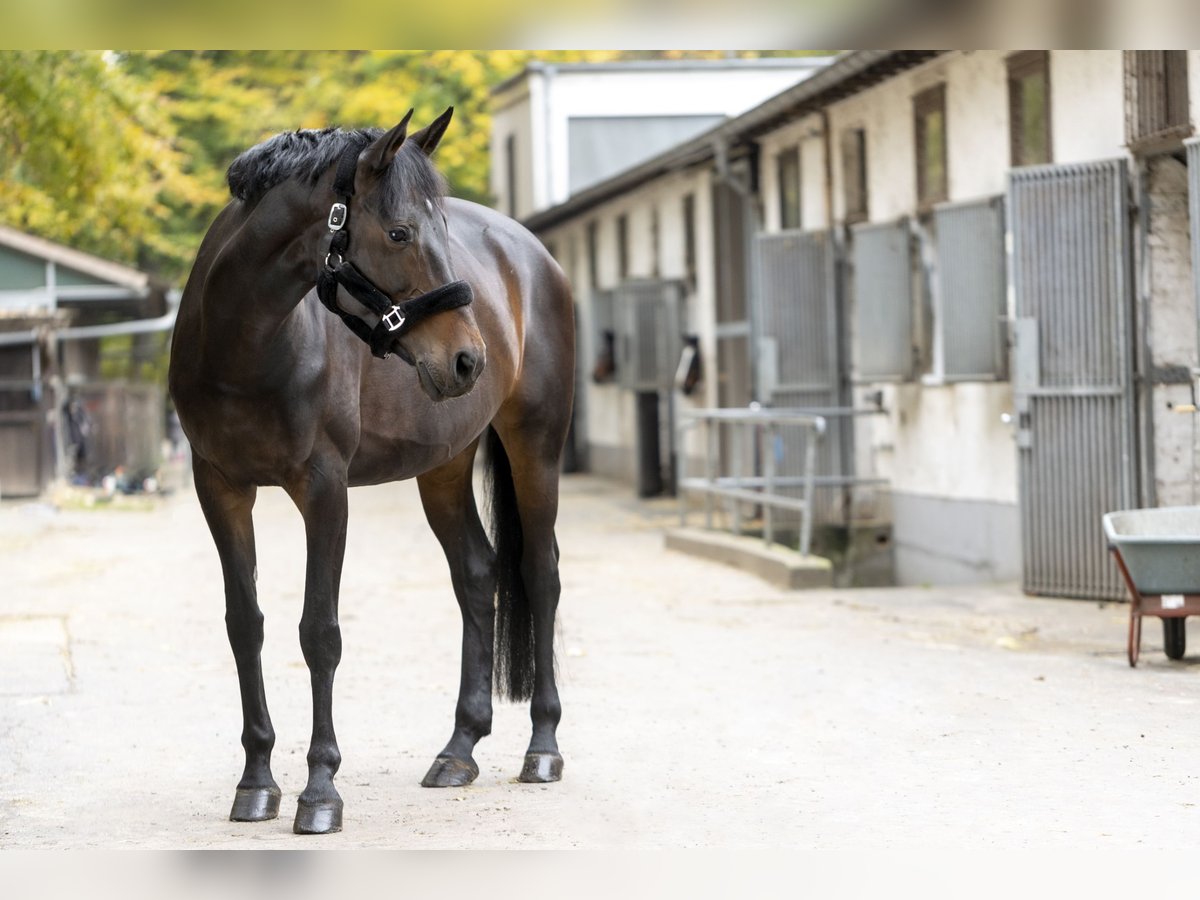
(90, 332)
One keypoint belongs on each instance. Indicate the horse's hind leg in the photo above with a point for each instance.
(449, 502)
(228, 511)
(533, 445)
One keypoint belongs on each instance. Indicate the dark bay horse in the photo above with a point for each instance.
(272, 388)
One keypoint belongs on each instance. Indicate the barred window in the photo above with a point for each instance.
(854, 174)
(655, 260)
(929, 114)
(510, 174)
(1156, 96)
(622, 247)
(787, 167)
(1029, 108)
(593, 252)
(689, 238)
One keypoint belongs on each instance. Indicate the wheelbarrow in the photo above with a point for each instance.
(1158, 553)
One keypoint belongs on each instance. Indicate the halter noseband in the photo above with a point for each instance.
(394, 318)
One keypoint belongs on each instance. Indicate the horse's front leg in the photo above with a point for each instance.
(227, 509)
(322, 501)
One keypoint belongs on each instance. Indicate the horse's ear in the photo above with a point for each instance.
(378, 156)
(431, 135)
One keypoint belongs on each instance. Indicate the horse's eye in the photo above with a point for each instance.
(400, 235)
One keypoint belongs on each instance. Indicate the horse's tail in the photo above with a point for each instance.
(513, 667)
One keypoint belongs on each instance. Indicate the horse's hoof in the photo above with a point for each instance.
(541, 768)
(450, 771)
(318, 818)
(255, 804)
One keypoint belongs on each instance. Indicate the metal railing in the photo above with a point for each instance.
(758, 489)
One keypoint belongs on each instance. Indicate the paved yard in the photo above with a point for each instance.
(701, 706)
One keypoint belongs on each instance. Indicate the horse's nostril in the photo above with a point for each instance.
(464, 365)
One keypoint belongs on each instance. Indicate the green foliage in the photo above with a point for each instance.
(124, 154)
(87, 159)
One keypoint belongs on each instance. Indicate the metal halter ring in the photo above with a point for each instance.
(336, 256)
(393, 319)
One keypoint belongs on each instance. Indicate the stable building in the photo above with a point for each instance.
(61, 412)
(979, 263)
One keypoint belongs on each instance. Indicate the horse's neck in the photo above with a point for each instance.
(258, 278)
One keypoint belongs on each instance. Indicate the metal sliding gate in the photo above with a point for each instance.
(1072, 371)
(797, 365)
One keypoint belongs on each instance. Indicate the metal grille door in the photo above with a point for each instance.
(970, 267)
(796, 317)
(883, 339)
(798, 363)
(649, 333)
(1072, 371)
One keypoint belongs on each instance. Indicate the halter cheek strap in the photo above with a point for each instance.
(395, 319)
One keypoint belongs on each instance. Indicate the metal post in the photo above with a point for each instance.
(814, 431)
(710, 468)
(680, 428)
(771, 437)
(738, 467)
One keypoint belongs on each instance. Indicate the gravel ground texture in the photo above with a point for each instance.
(702, 707)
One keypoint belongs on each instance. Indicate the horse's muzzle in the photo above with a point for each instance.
(453, 381)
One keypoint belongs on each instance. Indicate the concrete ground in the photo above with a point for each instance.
(701, 706)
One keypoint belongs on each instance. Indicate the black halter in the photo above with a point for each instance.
(394, 318)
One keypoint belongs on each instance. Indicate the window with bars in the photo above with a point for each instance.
(510, 174)
(604, 337)
(1156, 95)
(1029, 108)
(854, 174)
(787, 169)
(593, 254)
(622, 247)
(655, 259)
(929, 117)
(689, 238)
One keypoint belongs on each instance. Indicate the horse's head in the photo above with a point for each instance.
(401, 243)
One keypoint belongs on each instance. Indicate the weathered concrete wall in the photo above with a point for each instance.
(941, 541)
(1171, 329)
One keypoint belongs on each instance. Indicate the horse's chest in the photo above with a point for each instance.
(258, 439)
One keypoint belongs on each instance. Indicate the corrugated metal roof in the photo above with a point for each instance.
(848, 74)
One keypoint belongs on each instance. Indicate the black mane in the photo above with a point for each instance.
(307, 153)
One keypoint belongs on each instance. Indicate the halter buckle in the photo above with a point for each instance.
(393, 319)
(337, 216)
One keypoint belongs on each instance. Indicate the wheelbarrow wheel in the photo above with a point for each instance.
(1175, 637)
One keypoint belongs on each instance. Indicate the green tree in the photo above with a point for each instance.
(87, 159)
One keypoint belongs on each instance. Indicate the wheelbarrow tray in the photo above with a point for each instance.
(1159, 547)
